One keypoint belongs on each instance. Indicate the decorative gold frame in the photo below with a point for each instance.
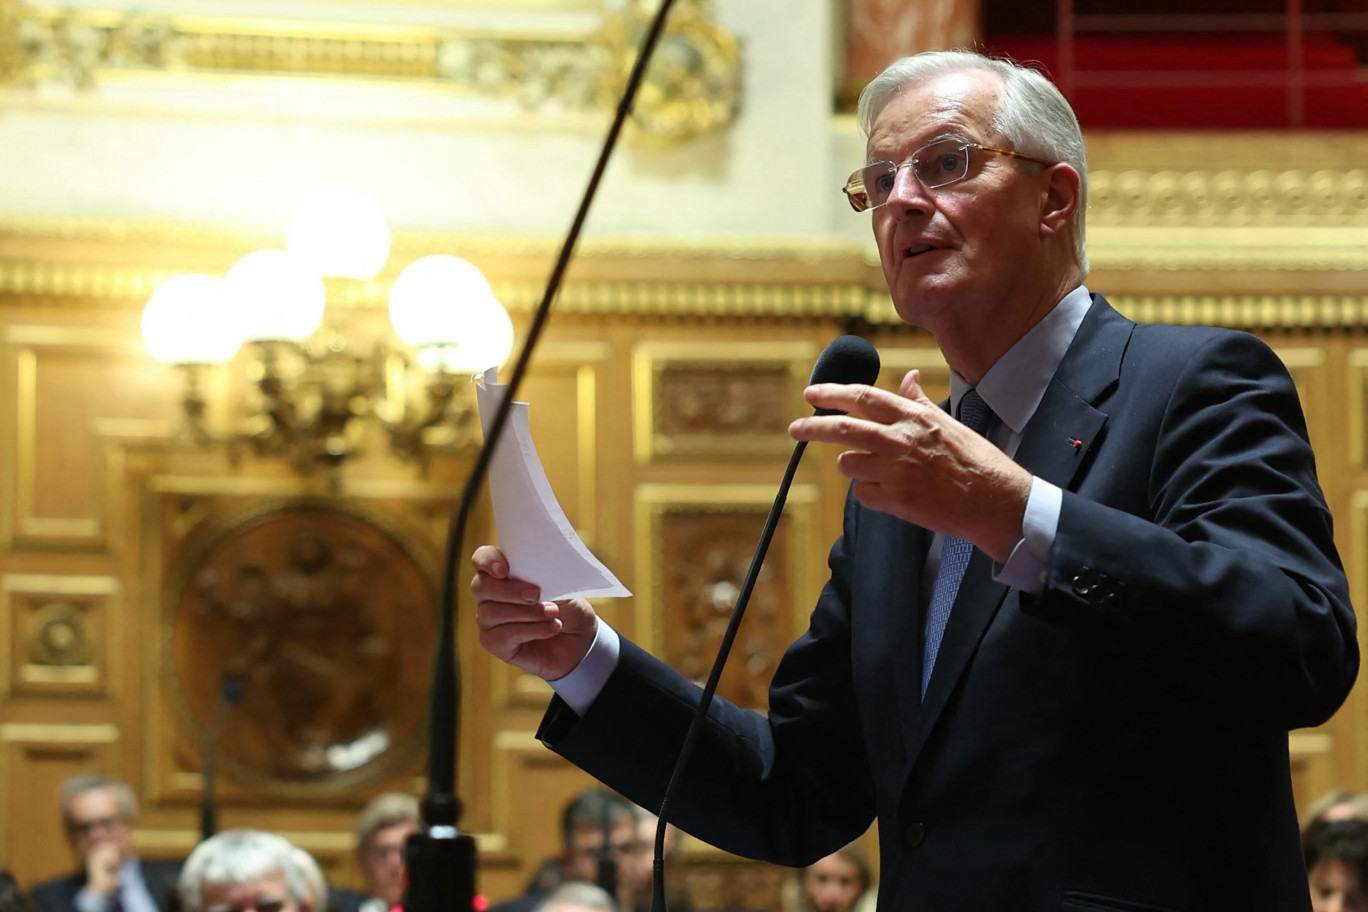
(653, 502)
(652, 360)
(551, 69)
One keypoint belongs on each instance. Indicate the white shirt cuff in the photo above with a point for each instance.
(581, 686)
(1029, 563)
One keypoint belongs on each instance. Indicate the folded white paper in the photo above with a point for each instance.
(534, 533)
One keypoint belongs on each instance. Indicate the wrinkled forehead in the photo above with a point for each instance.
(953, 104)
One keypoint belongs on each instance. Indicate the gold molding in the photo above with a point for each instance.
(653, 502)
(692, 88)
(53, 733)
(650, 360)
(1231, 198)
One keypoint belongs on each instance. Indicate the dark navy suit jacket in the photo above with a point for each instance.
(59, 895)
(1117, 741)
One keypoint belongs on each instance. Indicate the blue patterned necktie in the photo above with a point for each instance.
(974, 414)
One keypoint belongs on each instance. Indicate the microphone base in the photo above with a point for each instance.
(441, 871)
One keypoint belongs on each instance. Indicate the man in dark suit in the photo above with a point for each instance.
(98, 812)
(1065, 636)
(382, 831)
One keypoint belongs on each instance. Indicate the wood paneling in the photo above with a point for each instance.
(649, 427)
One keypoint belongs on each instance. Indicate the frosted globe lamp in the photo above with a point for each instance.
(189, 319)
(443, 306)
(340, 234)
(277, 299)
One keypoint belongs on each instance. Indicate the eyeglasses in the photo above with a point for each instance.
(272, 904)
(616, 849)
(86, 827)
(385, 852)
(936, 164)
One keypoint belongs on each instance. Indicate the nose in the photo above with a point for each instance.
(908, 197)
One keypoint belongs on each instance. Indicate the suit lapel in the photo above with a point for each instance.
(1054, 446)
(902, 594)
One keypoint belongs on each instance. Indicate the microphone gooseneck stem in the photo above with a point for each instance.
(442, 765)
(441, 862)
(715, 675)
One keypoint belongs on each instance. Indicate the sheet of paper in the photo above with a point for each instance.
(534, 533)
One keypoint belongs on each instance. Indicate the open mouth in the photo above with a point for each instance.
(917, 250)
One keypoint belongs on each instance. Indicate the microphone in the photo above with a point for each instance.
(440, 860)
(847, 359)
(230, 691)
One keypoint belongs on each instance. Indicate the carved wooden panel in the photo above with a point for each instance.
(35, 758)
(76, 389)
(63, 634)
(1358, 407)
(701, 541)
(1307, 365)
(722, 399)
(302, 632)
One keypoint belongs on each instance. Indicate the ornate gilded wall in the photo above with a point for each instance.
(140, 574)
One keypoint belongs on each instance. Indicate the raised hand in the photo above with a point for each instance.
(547, 639)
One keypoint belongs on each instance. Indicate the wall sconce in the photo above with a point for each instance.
(315, 384)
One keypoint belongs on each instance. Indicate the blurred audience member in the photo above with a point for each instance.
(642, 876)
(244, 871)
(585, 855)
(1337, 804)
(577, 896)
(315, 882)
(1337, 865)
(98, 813)
(837, 882)
(13, 899)
(382, 831)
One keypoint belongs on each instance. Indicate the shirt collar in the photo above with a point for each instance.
(1015, 384)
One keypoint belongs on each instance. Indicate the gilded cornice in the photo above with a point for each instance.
(1247, 247)
(1229, 198)
(692, 87)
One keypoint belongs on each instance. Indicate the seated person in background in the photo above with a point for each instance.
(583, 823)
(98, 813)
(1337, 804)
(13, 899)
(1337, 865)
(577, 896)
(244, 871)
(315, 882)
(643, 862)
(382, 831)
(837, 882)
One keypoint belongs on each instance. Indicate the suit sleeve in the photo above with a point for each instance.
(787, 787)
(1227, 577)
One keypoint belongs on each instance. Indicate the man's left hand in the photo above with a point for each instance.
(910, 458)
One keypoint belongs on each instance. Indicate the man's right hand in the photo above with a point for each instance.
(102, 868)
(547, 639)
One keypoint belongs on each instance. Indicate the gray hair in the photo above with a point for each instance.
(239, 857)
(314, 879)
(89, 782)
(384, 811)
(1032, 114)
(577, 893)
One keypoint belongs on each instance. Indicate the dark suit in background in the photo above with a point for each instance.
(59, 895)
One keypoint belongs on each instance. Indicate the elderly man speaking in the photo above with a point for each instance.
(1074, 611)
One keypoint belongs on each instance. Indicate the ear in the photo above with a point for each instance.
(1060, 200)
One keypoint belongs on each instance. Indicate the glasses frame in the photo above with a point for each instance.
(86, 827)
(855, 183)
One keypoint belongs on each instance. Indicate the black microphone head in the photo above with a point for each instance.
(848, 359)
